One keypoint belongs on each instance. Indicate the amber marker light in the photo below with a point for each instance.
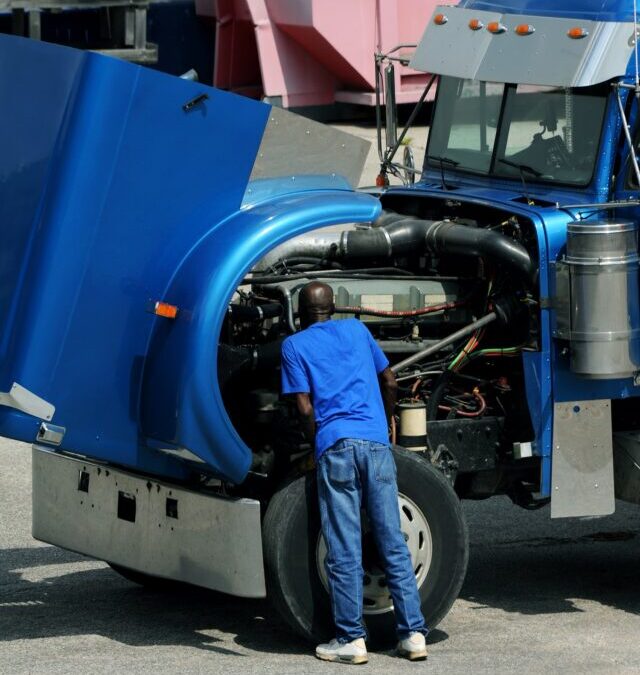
(577, 33)
(525, 29)
(476, 24)
(166, 310)
(440, 19)
(496, 27)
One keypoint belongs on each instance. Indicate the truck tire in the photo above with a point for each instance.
(436, 532)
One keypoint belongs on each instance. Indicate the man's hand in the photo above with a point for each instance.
(389, 391)
(305, 408)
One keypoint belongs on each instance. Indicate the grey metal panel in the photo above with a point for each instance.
(454, 49)
(582, 463)
(546, 57)
(294, 146)
(214, 542)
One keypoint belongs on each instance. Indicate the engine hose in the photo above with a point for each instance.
(255, 312)
(308, 260)
(398, 237)
(437, 395)
(241, 360)
(410, 235)
(337, 274)
(448, 237)
(370, 311)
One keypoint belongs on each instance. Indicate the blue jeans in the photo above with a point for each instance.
(354, 474)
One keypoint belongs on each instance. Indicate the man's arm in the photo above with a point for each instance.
(389, 391)
(307, 415)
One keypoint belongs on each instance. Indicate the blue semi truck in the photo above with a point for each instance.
(156, 233)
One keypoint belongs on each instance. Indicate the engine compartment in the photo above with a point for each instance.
(425, 271)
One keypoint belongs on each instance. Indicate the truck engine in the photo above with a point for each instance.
(420, 277)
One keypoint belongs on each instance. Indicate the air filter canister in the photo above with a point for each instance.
(413, 425)
(602, 307)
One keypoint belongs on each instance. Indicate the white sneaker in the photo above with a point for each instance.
(350, 652)
(413, 648)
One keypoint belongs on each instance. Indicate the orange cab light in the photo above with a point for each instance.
(166, 310)
(525, 29)
(577, 33)
(496, 27)
(475, 24)
(440, 19)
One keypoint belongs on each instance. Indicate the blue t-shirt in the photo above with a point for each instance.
(338, 362)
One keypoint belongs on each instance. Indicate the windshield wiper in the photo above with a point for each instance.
(443, 161)
(522, 168)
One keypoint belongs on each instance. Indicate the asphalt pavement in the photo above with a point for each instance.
(540, 596)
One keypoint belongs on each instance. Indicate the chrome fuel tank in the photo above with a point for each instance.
(598, 298)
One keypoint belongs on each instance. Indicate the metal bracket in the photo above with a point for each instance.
(27, 402)
(50, 433)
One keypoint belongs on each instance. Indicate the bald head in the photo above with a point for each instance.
(315, 303)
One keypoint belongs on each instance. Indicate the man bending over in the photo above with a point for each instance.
(345, 393)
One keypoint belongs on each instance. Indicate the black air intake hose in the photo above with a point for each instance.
(241, 360)
(447, 237)
(255, 312)
(406, 235)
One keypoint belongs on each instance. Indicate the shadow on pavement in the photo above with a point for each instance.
(537, 576)
(548, 574)
(99, 601)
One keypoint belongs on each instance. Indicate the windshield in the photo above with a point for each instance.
(543, 133)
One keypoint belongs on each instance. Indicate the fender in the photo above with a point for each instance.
(181, 402)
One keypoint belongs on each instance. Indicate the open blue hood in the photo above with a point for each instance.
(111, 178)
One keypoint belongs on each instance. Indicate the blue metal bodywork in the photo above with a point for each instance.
(112, 197)
(596, 10)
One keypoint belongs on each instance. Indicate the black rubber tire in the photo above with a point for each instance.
(143, 579)
(290, 534)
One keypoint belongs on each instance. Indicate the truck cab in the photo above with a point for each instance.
(158, 233)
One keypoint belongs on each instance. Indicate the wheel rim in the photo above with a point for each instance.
(375, 594)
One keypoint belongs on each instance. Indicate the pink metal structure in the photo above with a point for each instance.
(313, 52)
